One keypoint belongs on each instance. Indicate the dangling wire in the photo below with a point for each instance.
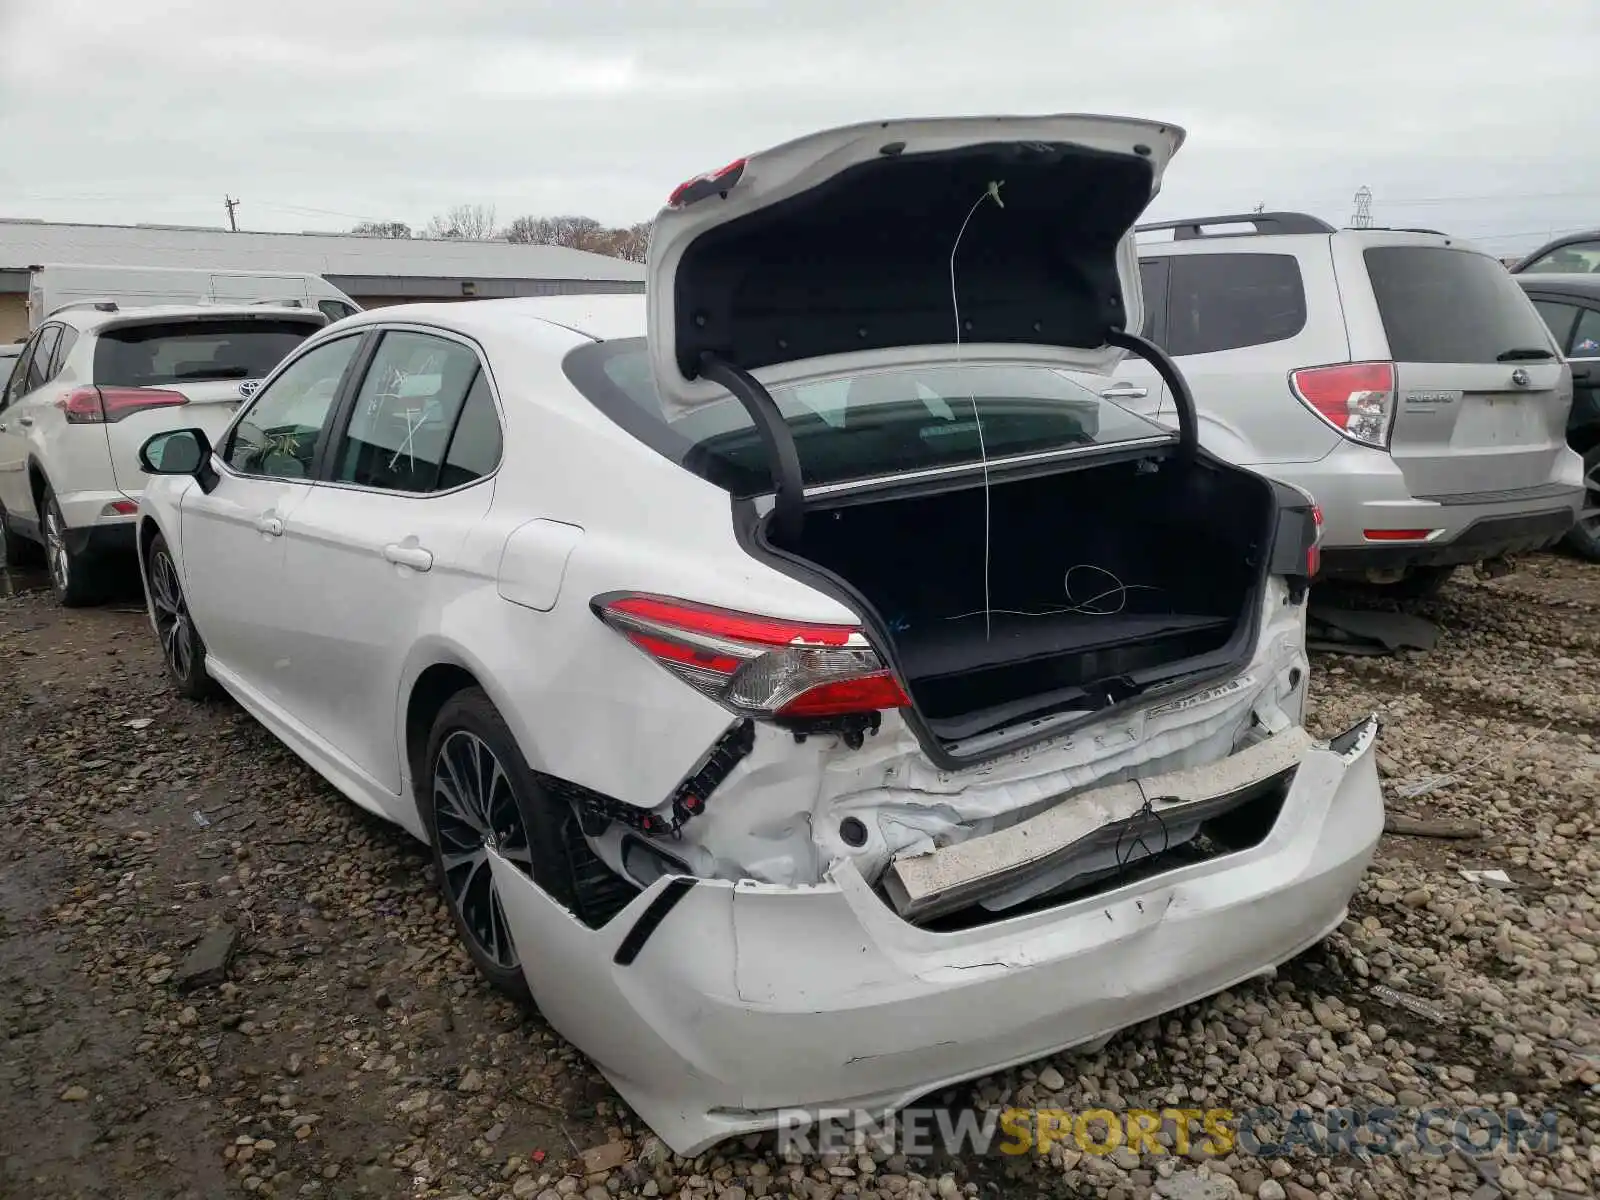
(1097, 605)
(992, 192)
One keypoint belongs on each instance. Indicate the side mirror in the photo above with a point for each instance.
(176, 452)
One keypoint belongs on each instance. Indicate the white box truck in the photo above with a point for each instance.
(53, 285)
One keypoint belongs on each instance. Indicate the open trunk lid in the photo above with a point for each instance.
(886, 243)
(1482, 392)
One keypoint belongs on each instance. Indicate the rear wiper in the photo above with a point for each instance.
(1524, 354)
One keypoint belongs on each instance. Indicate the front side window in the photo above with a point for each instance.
(174, 352)
(39, 364)
(405, 412)
(861, 426)
(1580, 258)
(16, 383)
(278, 434)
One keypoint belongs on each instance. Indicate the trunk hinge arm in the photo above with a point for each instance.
(783, 459)
(1182, 397)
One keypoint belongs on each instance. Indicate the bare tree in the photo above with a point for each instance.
(632, 243)
(384, 229)
(578, 233)
(470, 222)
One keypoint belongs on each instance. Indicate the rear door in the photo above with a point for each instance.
(377, 544)
(203, 359)
(1482, 391)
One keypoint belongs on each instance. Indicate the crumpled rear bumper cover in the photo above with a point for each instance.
(750, 998)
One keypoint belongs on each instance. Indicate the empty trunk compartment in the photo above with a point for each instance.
(1102, 581)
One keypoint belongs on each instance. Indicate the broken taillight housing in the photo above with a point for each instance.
(1357, 399)
(757, 666)
(711, 183)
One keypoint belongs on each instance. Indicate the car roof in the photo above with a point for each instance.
(598, 317)
(86, 318)
(1562, 283)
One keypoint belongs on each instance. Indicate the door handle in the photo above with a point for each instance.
(269, 525)
(1124, 391)
(412, 556)
(28, 421)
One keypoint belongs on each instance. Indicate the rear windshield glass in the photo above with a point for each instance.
(862, 426)
(1451, 306)
(184, 351)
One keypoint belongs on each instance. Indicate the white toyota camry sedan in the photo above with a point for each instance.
(811, 695)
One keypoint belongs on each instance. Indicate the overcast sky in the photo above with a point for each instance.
(1473, 116)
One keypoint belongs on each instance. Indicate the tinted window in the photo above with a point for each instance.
(1559, 319)
(1450, 306)
(860, 426)
(1227, 301)
(39, 364)
(18, 372)
(475, 446)
(334, 310)
(405, 411)
(1580, 258)
(180, 351)
(69, 339)
(279, 431)
(1153, 286)
(1586, 338)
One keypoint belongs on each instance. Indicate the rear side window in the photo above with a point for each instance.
(1230, 301)
(187, 351)
(861, 426)
(1559, 319)
(1451, 306)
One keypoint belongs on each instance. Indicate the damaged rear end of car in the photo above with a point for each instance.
(1019, 758)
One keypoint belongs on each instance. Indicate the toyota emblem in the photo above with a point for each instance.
(1519, 377)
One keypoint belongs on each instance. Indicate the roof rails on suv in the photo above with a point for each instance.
(106, 306)
(1263, 223)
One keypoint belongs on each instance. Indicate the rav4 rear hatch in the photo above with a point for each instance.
(865, 337)
(154, 373)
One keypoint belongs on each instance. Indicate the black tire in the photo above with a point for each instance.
(1584, 537)
(527, 824)
(16, 550)
(1419, 583)
(182, 649)
(78, 578)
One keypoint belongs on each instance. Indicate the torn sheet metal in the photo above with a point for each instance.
(1364, 631)
(925, 885)
(744, 999)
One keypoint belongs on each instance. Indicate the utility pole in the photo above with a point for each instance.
(1362, 217)
(1260, 207)
(231, 204)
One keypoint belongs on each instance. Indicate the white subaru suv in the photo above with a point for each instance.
(812, 696)
(93, 382)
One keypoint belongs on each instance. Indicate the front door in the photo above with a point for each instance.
(234, 536)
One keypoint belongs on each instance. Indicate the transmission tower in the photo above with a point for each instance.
(1362, 219)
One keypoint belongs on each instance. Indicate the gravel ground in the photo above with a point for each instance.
(348, 1049)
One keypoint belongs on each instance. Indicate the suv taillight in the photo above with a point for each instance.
(757, 666)
(106, 405)
(1357, 399)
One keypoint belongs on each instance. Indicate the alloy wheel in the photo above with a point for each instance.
(1589, 517)
(55, 545)
(171, 613)
(475, 809)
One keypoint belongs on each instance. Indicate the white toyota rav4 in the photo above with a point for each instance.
(811, 696)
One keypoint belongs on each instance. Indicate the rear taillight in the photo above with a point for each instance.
(107, 405)
(1357, 399)
(757, 666)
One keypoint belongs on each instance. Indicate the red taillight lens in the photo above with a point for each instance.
(702, 186)
(1397, 535)
(1314, 551)
(1357, 399)
(107, 405)
(759, 666)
